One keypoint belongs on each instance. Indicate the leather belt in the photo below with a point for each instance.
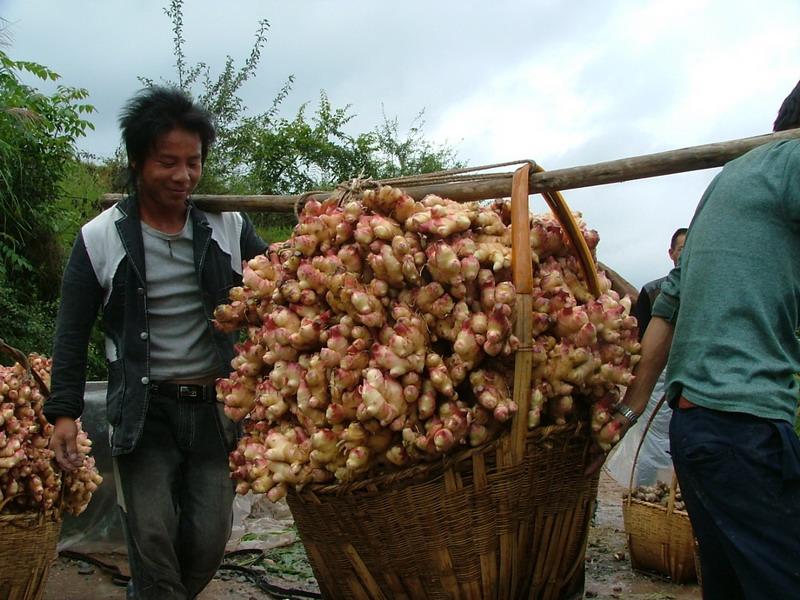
(186, 392)
(684, 403)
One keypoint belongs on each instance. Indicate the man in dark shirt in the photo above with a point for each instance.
(644, 305)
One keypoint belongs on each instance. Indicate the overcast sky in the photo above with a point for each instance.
(565, 83)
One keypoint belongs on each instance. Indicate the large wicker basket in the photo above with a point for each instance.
(470, 527)
(508, 520)
(27, 548)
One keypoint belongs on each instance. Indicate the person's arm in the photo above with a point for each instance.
(81, 295)
(656, 342)
(250, 242)
(656, 345)
(655, 351)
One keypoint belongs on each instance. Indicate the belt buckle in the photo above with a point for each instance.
(187, 391)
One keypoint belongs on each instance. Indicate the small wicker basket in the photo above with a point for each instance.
(660, 538)
(507, 521)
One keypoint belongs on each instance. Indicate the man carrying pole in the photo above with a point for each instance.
(727, 318)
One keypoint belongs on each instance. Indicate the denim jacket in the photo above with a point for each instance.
(106, 271)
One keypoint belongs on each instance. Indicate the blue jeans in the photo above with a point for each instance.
(740, 479)
(177, 499)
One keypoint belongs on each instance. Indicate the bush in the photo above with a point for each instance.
(37, 149)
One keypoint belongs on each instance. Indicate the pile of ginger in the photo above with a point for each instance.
(380, 335)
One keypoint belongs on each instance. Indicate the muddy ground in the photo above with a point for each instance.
(608, 568)
(608, 571)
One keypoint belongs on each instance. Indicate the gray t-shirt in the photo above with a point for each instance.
(180, 342)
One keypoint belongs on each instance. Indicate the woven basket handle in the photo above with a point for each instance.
(14, 353)
(673, 488)
(638, 449)
(20, 357)
(5, 501)
(522, 277)
(570, 226)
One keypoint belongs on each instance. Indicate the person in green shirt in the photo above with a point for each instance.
(726, 319)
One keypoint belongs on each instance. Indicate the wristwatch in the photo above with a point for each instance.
(626, 412)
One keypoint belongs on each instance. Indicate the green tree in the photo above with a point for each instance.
(37, 143)
(37, 148)
(267, 153)
(286, 156)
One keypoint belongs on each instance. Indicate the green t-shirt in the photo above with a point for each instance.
(735, 296)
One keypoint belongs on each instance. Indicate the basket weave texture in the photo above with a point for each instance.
(27, 548)
(660, 540)
(466, 528)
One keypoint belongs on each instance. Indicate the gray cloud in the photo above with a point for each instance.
(632, 76)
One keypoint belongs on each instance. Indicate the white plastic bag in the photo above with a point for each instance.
(655, 462)
(259, 524)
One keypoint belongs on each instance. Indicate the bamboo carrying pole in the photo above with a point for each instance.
(615, 171)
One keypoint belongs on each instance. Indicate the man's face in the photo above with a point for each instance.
(171, 171)
(675, 252)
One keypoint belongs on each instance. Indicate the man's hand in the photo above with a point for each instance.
(611, 433)
(63, 443)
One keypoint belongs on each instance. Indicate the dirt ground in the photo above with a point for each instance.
(71, 580)
(608, 568)
(608, 571)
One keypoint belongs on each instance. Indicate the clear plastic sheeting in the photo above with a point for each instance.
(655, 462)
(259, 524)
(99, 528)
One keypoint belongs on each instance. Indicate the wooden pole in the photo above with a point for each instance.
(625, 169)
